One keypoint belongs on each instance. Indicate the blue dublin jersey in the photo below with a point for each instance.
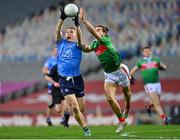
(50, 62)
(69, 58)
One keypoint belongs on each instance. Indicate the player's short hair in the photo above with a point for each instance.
(104, 28)
(71, 28)
(146, 47)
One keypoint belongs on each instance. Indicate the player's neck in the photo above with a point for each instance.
(148, 57)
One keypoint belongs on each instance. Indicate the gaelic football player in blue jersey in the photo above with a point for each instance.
(57, 98)
(48, 65)
(68, 60)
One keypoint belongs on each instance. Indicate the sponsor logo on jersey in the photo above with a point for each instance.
(149, 65)
(66, 53)
(100, 49)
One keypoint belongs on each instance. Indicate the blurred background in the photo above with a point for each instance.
(27, 30)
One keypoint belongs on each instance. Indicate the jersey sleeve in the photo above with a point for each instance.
(160, 63)
(138, 64)
(94, 44)
(46, 64)
(158, 60)
(105, 39)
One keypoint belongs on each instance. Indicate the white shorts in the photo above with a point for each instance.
(120, 77)
(153, 88)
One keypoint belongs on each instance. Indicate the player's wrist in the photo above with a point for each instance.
(54, 82)
(83, 46)
(76, 23)
(84, 21)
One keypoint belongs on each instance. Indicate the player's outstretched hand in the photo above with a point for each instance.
(63, 15)
(82, 14)
(132, 80)
(56, 84)
(162, 68)
(76, 19)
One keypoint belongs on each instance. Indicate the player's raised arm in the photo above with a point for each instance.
(78, 29)
(88, 25)
(85, 48)
(58, 34)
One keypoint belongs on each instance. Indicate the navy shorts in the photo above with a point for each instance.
(56, 96)
(72, 85)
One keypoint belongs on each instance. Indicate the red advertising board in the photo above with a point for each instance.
(30, 110)
(95, 98)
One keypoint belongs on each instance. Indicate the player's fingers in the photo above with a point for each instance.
(61, 9)
(82, 10)
(81, 14)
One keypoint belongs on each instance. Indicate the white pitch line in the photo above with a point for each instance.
(135, 134)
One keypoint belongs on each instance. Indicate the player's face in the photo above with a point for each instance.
(147, 52)
(99, 30)
(70, 35)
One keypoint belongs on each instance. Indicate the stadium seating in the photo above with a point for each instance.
(131, 23)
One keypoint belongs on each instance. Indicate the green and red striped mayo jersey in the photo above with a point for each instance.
(149, 69)
(108, 56)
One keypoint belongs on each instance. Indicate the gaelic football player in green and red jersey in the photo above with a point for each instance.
(149, 66)
(115, 73)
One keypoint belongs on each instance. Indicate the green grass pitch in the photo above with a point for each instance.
(98, 132)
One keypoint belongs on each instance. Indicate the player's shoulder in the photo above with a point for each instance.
(47, 60)
(60, 41)
(105, 38)
(140, 60)
(156, 58)
(51, 58)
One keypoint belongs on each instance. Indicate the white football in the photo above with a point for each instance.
(71, 10)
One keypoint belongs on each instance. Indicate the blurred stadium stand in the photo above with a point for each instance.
(27, 31)
(131, 23)
(16, 11)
